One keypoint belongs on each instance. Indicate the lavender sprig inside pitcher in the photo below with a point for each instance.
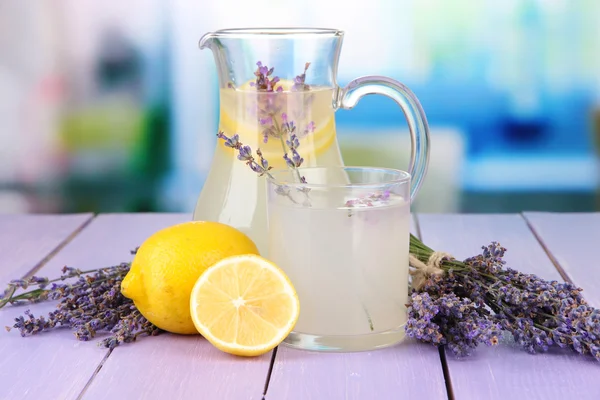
(273, 121)
(300, 80)
(274, 124)
(261, 167)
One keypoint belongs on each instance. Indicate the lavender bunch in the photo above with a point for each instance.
(90, 305)
(464, 304)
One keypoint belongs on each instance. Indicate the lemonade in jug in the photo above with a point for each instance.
(275, 83)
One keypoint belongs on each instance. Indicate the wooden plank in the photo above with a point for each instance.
(54, 365)
(26, 242)
(409, 370)
(573, 240)
(171, 366)
(26, 239)
(505, 371)
(178, 367)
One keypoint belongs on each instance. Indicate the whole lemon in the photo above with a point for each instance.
(168, 264)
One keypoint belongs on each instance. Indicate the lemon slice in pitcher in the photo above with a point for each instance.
(244, 305)
(238, 115)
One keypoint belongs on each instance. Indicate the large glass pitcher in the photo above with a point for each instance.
(274, 81)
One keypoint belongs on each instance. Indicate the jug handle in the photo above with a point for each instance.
(413, 112)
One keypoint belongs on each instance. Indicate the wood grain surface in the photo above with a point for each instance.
(54, 365)
(26, 240)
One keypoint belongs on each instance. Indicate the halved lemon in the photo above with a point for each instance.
(244, 305)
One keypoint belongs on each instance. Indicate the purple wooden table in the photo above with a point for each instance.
(56, 366)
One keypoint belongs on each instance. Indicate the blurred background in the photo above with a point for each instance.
(110, 106)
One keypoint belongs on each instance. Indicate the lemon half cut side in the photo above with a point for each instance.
(244, 305)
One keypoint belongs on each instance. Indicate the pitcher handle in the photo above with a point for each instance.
(417, 122)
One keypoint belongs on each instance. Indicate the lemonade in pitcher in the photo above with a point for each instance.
(263, 118)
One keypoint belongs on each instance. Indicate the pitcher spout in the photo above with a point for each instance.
(207, 40)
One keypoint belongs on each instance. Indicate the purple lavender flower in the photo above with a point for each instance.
(19, 283)
(286, 125)
(448, 319)
(263, 162)
(299, 81)
(263, 81)
(245, 153)
(294, 162)
(369, 200)
(254, 166)
(40, 281)
(288, 161)
(310, 128)
(293, 143)
(266, 121)
(262, 70)
(232, 142)
(296, 158)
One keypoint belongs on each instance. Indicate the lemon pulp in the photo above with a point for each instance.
(244, 305)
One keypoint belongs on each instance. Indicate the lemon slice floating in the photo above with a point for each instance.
(244, 305)
(236, 118)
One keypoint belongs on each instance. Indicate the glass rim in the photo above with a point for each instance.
(273, 31)
(400, 177)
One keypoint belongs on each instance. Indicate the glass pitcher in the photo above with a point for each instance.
(274, 82)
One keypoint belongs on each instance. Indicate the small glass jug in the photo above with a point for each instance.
(275, 82)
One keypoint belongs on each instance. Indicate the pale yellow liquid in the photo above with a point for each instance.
(235, 195)
(350, 272)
